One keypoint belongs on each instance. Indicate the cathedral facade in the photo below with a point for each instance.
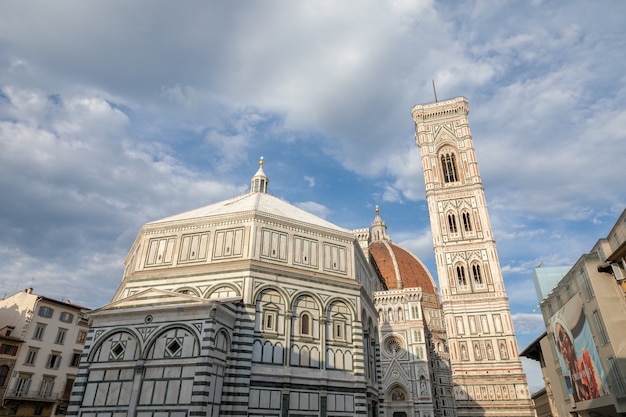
(254, 307)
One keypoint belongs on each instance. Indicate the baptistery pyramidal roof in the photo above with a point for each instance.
(256, 201)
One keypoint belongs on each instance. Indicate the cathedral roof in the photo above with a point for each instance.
(400, 268)
(397, 265)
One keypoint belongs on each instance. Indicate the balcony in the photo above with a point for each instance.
(16, 394)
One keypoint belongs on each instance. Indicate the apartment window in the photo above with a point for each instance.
(568, 290)
(586, 285)
(31, 356)
(82, 335)
(60, 336)
(45, 389)
(46, 312)
(22, 385)
(66, 317)
(604, 339)
(619, 385)
(39, 409)
(10, 350)
(75, 359)
(39, 331)
(67, 391)
(54, 360)
(4, 371)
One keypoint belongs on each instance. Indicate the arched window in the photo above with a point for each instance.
(448, 163)
(452, 223)
(460, 275)
(476, 274)
(467, 221)
(305, 324)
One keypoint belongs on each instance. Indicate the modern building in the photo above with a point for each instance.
(254, 307)
(486, 371)
(547, 401)
(52, 334)
(584, 352)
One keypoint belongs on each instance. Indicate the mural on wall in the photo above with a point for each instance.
(578, 355)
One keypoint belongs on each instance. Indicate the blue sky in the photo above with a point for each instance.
(116, 113)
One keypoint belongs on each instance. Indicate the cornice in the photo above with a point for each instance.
(440, 110)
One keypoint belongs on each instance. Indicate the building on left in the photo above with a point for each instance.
(42, 341)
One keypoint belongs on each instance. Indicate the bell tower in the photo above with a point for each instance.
(487, 373)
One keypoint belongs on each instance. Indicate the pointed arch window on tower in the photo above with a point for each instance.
(448, 163)
(452, 223)
(460, 276)
(477, 275)
(467, 221)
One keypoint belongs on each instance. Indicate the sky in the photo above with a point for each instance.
(117, 113)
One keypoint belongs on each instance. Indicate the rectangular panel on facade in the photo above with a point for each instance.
(160, 251)
(274, 245)
(305, 251)
(334, 258)
(228, 243)
(193, 248)
(264, 399)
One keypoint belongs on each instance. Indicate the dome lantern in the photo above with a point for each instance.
(259, 181)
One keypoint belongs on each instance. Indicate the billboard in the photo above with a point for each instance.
(578, 356)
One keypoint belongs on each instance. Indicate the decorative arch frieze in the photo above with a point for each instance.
(116, 345)
(222, 290)
(173, 341)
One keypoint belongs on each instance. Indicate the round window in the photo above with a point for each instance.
(393, 345)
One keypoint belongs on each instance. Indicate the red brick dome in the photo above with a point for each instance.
(399, 267)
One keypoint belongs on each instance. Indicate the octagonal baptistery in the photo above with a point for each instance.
(250, 306)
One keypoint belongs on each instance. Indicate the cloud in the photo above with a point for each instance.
(527, 323)
(79, 187)
(315, 208)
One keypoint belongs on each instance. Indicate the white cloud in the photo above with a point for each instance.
(315, 208)
(527, 323)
